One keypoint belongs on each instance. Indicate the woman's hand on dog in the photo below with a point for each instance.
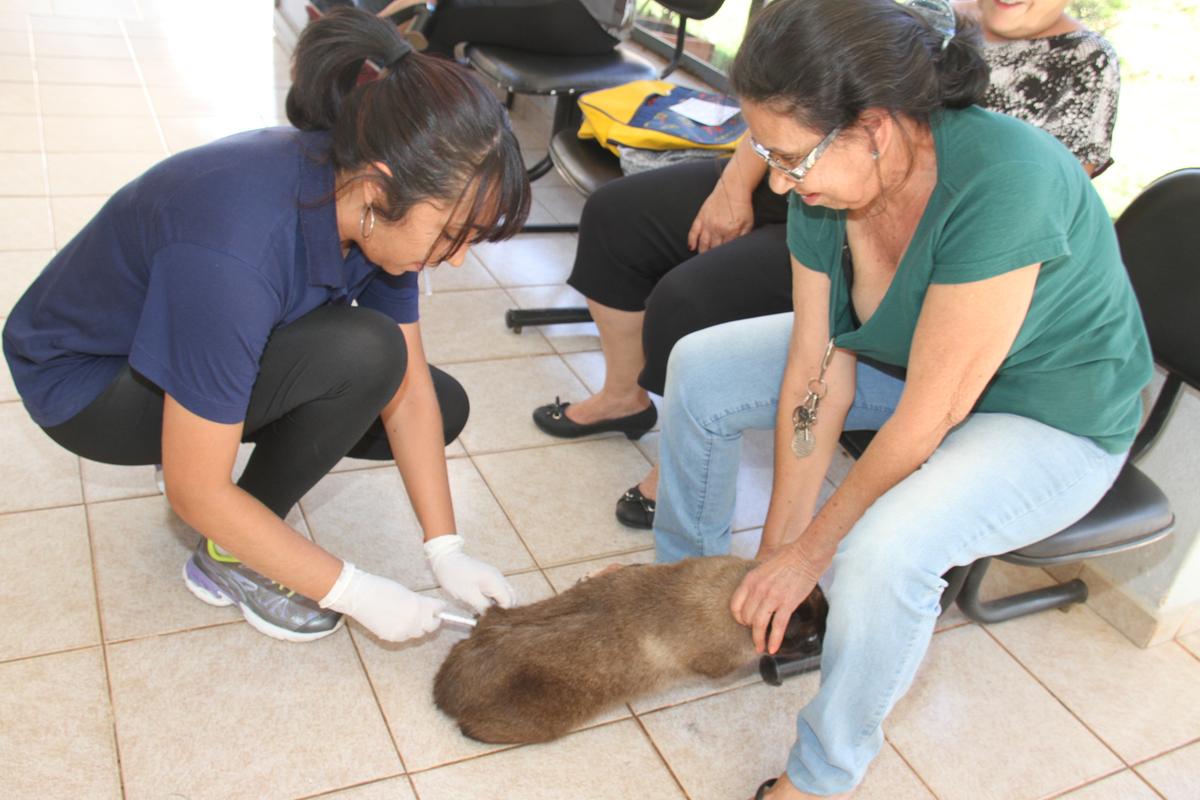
(774, 589)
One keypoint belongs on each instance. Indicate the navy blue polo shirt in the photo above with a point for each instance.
(184, 274)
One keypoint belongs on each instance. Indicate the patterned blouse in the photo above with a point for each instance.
(1066, 84)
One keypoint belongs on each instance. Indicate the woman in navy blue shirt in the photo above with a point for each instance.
(263, 288)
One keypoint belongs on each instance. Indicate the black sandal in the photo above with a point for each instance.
(553, 419)
(762, 790)
(635, 510)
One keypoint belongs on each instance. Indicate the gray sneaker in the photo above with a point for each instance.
(275, 610)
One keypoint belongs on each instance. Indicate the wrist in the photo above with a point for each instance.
(338, 590)
(440, 546)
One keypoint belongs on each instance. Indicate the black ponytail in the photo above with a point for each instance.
(442, 135)
(826, 61)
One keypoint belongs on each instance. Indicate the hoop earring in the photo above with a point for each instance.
(874, 155)
(363, 228)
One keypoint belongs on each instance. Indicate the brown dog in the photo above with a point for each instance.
(536, 672)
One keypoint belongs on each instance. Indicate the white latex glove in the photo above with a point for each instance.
(387, 609)
(467, 579)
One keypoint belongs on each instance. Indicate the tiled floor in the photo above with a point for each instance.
(115, 682)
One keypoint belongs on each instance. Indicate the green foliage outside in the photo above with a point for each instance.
(1158, 122)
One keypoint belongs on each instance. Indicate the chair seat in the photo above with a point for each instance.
(524, 72)
(1132, 513)
(582, 162)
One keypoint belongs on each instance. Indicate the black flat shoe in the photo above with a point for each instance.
(635, 510)
(553, 420)
(762, 790)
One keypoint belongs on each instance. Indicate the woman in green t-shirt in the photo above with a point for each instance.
(958, 287)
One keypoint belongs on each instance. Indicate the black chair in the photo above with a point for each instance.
(1160, 243)
(565, 78)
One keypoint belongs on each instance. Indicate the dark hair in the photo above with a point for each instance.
(439, 131)
(826, 61)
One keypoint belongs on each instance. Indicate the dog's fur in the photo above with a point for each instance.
(536, 672)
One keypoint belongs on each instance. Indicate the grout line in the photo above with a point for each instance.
(41, 130)
(912, 769)
(1186, 649)
(1051, 692)
(653, 744)
(112, 705)
(137, 67)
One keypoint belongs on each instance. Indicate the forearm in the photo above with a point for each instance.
(241, 525)
(744, 171)
(413, 422)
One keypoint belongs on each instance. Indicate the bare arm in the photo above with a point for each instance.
(963, 335)
(797, 481)
(728, 212)
(198, 458)
(413, 421)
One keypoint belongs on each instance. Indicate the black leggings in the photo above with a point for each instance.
(322, 382)
(553, 27)
(633, 256)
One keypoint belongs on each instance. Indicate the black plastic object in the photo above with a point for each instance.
(800, 650)
(517, 318)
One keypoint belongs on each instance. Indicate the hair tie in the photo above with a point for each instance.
(397, 53)
(939, 15)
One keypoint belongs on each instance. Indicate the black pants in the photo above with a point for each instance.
(553, 27)
(633, 256)
(321, 384)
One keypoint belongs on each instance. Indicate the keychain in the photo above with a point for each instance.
(805, 415)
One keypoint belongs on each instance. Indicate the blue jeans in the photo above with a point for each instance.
(997, 482)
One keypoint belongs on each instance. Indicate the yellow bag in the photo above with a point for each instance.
(640, 114)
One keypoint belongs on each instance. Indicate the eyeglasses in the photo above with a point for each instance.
(799, 172)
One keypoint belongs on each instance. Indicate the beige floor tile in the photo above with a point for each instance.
(96, 173)
(366, 518)
(46, 586)
(90, 8)
(57, 737)
(18, 98)
(972, 704)
(567, 575)
(25, 223)
(229, 713)
(19, 135)
(79, 100)
(402, 675)
(471, 275)
(1192, 643)
(23, 175)
(90, 71)
(390, 789)
(8, 390)
(726, 745)
(91, 25)
(539, 214)
(469, 326)
(103, 482)
(14, 42)
(79, 45)
(590, 367)
(611, 761)
(533, 259)
(1141, 702)
(34, 471)
(102, 135)
(573, 338)
(561, 498)
(140, 548)
(1122, 786)
(564, 202)
(16, 69)
(504, 394)
(72, 213)
(183, 133)
(1177, 774)
(18, 268)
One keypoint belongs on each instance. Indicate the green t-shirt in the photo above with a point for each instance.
(1009, 195)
